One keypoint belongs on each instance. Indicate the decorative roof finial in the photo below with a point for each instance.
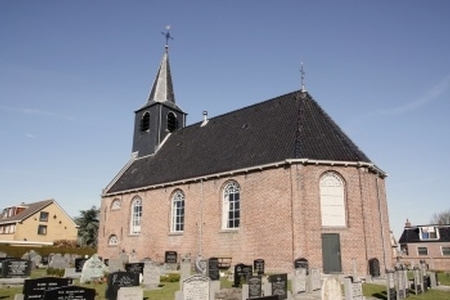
(167, 35)
(302, 72)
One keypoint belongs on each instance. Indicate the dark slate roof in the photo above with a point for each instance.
(291, 126)
(411, 235)
(31, 209)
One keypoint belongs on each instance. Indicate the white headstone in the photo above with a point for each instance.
(93, 269)
(331, 289)
(353, 290)
(299, 282)
(152, 273)
(196, 287)
(130, 293)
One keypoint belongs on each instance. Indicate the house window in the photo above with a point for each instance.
(145, 121)
(445, 250)
(332, 204)
(429, 233)
(115, 205)
(136, 215)
(422, 251)
(231, 210)
(42, 229)
(177, 212)
(113, 240)
(43, 216)
(172, 122)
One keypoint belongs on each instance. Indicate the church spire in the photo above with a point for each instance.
(162, 89)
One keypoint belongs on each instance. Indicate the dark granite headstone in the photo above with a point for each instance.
(120, 279)
(258, 266)
(44, 260)
(170, 257)
(135, 267)
(254, 286)
(241, 273)
(35, 288)
(273, 297)
(279, 285)
(16, 268)
(213, 268)
(79, 262)
(71, 292)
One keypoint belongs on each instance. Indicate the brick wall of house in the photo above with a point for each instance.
(280, 220)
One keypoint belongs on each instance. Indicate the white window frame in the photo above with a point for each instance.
(447, 251)
(231, 206)
(422, 247)
(177, 212)
(429, 233)
(113, 240)
(332, 200)
(136, 215)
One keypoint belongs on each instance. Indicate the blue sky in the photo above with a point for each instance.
(73, 72)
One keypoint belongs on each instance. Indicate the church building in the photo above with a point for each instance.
(277, 180)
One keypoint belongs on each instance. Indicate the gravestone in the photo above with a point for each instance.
(44, 260)
(71, 273)
(201, 265)
(170, 257)
(124, 258)
(12, 268)
(417, 282)
(353, 289)
(299, 281)
(279, 284)
(115, 265)
(93, 269)
(241, 273)
(213, 268)
(185, 267)
(118, 280)
(71, 292)
(130, 293)
(152, 273)
(254, 286)
(400, 284)
(301, 263)
(314, 280)
(273, 297)
(79, 262)
(390, 285)
(35, 288)
(59, 262)
(137, 267)
(331, 289)
(196, 287)
(258, 266)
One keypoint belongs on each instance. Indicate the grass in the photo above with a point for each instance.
(168, 289)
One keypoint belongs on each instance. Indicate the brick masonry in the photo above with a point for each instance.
(280, 219)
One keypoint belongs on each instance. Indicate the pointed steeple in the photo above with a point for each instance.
(162, 89)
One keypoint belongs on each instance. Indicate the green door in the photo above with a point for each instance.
(331, 253)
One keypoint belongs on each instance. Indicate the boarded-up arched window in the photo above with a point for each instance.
(332, 204)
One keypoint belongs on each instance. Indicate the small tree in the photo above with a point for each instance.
(441, 218)
(88, 223)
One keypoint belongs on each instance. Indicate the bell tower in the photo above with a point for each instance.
(159, 116)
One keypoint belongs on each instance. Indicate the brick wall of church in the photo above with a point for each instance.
(280, 220)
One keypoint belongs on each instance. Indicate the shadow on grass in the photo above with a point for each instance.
(382, 295)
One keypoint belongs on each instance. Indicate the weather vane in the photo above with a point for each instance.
(167, 35)
(302, 72)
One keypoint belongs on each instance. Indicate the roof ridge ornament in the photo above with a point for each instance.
(302, 72)
(167, 35)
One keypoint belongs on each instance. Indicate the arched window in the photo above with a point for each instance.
(145, 121)
(231, 208)
(332, 204)
(115, 204)
(172, 122)
(136, 215)
(177, 223)
(113, 240)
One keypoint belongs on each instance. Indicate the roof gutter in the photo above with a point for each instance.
(303, 161)
(25, 243)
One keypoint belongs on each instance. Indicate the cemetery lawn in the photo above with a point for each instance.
(379, 292)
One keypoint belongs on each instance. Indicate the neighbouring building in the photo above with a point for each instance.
(429, 242)
(277, 180)
(37, 223)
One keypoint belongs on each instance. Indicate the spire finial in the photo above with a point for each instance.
(167, 35)
(302, 72)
